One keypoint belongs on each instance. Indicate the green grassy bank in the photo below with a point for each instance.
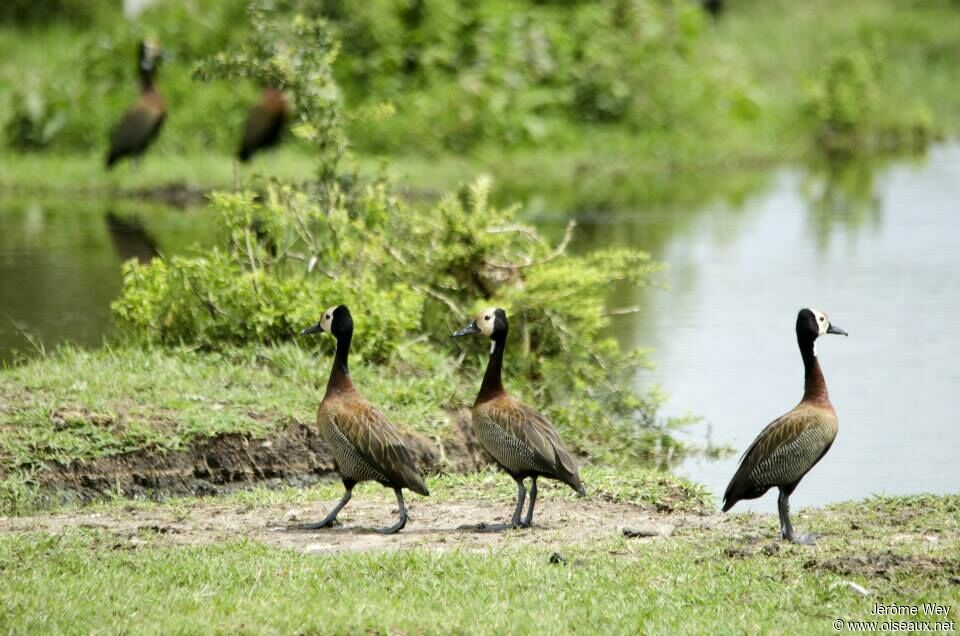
(710, 575)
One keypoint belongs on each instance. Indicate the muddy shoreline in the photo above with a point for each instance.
(219, 464)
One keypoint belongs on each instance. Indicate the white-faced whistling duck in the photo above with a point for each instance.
(521, 440)
(364, 444)
(264, 124)
(140, 125)
(792, 444)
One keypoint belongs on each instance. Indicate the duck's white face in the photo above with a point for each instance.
(151, 53)
(327, 321)
(823, 323)
(485, 321)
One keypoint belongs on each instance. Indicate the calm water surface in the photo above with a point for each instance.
(60, 264)
(877, 248)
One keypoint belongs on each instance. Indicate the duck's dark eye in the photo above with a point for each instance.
(486, 317)
(327, 317)
(821, 318)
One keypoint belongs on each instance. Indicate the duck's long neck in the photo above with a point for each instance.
(340, 373)
(492, 385)
(146, 82)
(814, 385)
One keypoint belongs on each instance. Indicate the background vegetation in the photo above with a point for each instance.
(613, 96)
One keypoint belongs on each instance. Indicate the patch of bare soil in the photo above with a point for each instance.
(222, 463)
(437, 526)
(888, 565)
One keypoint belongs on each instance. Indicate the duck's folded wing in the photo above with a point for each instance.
(786, 449)
(537, 433)
(136, 125)
(380, 444)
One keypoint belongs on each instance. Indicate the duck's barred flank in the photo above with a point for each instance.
(365, 445)
(523, 442)
(791, 461)
(513, 455)
(350, 463)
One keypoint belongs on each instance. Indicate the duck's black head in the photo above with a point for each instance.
(490, 322)
(811, 324)
(336, 321)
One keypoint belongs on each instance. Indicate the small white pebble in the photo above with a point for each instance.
(859, 589)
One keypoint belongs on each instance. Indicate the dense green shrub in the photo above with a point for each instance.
(522, 72)
(848, 112)
(33, 121)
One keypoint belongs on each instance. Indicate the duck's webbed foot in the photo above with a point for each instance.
(802, 539)
(514, 521)
(489, 527)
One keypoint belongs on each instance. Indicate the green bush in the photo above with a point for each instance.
(33, 121)
(849, 116)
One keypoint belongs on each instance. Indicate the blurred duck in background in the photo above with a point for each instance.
(265, 123)
(139, 126)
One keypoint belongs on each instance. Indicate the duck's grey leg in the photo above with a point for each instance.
(786, 529)
(330, 519)
(515, 520)
(398, 526)
(528, 520)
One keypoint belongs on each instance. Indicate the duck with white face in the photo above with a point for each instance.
(519, 439)
(142, 122)
(792, 444)
(364, 444)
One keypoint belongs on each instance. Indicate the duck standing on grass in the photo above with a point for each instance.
(139, 126)
(792, 444)
(364, 444)
(521, 440)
